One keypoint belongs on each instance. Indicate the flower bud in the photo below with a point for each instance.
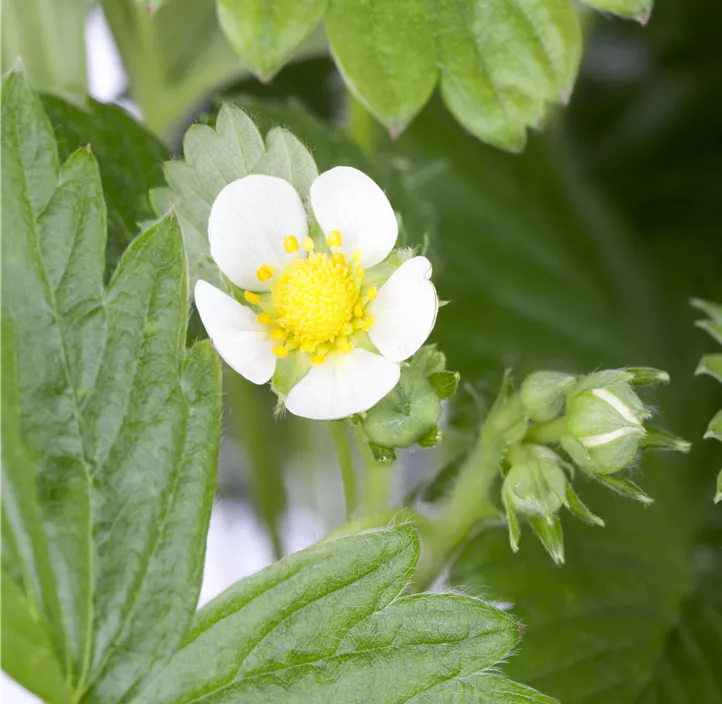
(410, 413)
(535, 488)
(543, 394)
(605, 427)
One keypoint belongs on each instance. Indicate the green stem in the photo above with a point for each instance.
(361, 125)
(470, 500)
(337, 429)
(547, 433)
(377, 479)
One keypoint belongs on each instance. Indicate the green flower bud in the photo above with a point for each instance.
(605, 427)
(543, 394)
(410, 413)
(536, 488)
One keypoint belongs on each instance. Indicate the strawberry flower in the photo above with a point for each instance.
(322, 318)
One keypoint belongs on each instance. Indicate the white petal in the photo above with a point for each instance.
(404, 311)
(249, 220)
(345, 384)
(240, 339)
(347, 200)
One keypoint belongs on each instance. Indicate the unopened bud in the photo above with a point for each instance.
(543, 394)
(605, 425)
(536, 488)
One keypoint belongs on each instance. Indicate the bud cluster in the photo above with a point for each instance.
(599, 422)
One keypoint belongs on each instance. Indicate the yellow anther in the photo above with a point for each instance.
(290, 244)
(345, 349)
(291, 344)
(314, 300)
(372, 293)
(334, 238)
(308, 244)
(252, 297)
(264, 319)
(265, 272)
(357, 255)
(280, 351)
(368, 323)
(318, 358)
(348, 329)
(358, 323)
(360, 272)
(358, 311)
(279, 335)
(338, 258)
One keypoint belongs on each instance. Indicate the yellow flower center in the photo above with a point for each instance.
(315, 298)
(316, 303)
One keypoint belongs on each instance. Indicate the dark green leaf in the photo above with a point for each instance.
(385, 52)
(266, 33)
(102, 392)
(130, 161)
(328, 624)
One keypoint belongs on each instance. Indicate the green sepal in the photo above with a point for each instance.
(625, 487)
(512, 520)
(714, 429)
(551, 536)
(381, 454)
(431, 439)
(646, 376)
(718, 495)
(662, 440)
(711, 364)
(580, 510)
(289, 371)
(378, 275)
(446, 383)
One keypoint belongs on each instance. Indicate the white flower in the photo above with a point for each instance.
(310, 306)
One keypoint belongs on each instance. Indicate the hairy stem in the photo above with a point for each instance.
(547, 433)
(337, 429)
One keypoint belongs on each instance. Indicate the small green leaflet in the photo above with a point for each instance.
(109, 481)
(214, 157)
(267, 32)
(634, 9)
(711, 364)
(331, 624)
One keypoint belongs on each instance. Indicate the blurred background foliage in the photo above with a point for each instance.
(582, 252)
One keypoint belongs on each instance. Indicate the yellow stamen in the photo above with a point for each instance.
(334, 239)
(252, 297)
(347, 329)
(345, 349)
(308, 244)
(358, 311)
(360, 272)
(280, 351)
(358, 323)
(318, 359)
(279, 335)
(372, 293)
(338, 258)
(264, 318)
(291, 344)
(290, 244)
(307, 347)
(265, 272)
(357, 255)
(368, 323)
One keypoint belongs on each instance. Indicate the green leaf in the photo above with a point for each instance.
(385, 52)
(329, 623)
(129, 157)
(502, 62)
(266, 33)
(635, 9)
(213, 158)
(27, 650)
(102, 391)
(32, 628)
(48, 36)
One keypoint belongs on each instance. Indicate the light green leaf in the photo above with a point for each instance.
(635, 9)
(386, 54)
(329, 624)
(27, 650)
(213, 158)
(129, 157)
(48, 36)
(501, 62)
(266, 33)
(102, 391)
